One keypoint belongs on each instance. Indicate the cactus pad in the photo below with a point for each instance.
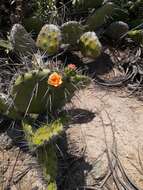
(45, 134)
(71, 32)
(41, 91)
(49, 39)
(45, 152)
(117, 29)
(136, 35)
(99, 17)
(29, 91)
(21, 40)
(89, 45)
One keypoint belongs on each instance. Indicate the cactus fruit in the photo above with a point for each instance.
(89, 45)
(117, 29)
(99, 17)
(84, 4)
(136, 35)
(71, 32)
(21, 40)
(49, 39)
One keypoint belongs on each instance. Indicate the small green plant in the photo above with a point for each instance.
(42, 91)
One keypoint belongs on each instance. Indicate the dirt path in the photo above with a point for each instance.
(116, 127)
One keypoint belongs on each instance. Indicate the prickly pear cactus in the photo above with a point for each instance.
(40, 91)
(49, 39)
(84, 4)
(47, 159)
(21, 40)
(99, 17)
(90, 45)
(71, 32)
(41, 139)
(117, 29)
(136, 35)
(29, 91)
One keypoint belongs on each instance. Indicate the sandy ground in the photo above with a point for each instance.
(115, 131)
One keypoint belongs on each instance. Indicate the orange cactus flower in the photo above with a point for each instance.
(72, 66)
(55, 79)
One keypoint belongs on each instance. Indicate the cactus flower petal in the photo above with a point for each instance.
(55, 79)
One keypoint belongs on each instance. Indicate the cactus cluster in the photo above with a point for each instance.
(43, 90)
(51, 39)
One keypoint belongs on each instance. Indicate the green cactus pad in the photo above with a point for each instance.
(32, 93)
(71, 32)
(89, 45)
(45, 152)
(47, 159)
(136, 35)
(21, 40)
(46, 132)
(117, 29)
(49, 39)
(29, 90)
(99, 17)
